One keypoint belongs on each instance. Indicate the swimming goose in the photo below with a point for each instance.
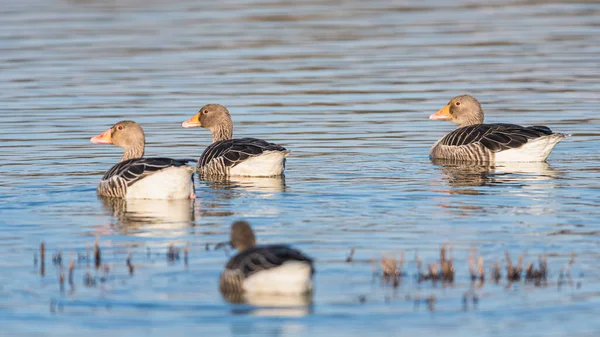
(248, 157)
(264, 269)
(475, 141)
(135, 177)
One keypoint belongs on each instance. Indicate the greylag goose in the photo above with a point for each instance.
(248, 157)
(264, 269)
(135, 177)
(475, 141)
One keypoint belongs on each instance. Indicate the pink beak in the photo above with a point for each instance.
(442, 115)
(193, 122)
(103, 138)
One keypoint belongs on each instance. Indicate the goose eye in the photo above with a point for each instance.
(120, 127)
(205, 112)
(457, 103)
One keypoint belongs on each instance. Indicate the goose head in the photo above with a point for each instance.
(242, 236)
(463, 110)
(128, 135)
(215, 118)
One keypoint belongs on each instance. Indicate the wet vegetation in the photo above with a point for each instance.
(391, 271)
(421, 281)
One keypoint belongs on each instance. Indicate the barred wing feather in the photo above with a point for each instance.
(495, 137)
(234, 151)
(260, 258)
(135, 169)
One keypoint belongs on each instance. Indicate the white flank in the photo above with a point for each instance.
(535, 150)
(268, 164)
(292, 277)
(170, 183)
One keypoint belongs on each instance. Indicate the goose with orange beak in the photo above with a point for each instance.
(475, 141)
(135, 177)
(226, 156)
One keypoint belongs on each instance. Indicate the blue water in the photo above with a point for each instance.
(347, 87)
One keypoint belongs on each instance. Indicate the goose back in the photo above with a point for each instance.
(251, 261)
(481, 142)
(123, 175)
(221, 156)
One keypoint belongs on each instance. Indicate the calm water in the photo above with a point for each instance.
(348, 87)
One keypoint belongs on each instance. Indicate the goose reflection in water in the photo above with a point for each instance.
(469, 174)
(270, 305)
(150, 217)
(250, 184)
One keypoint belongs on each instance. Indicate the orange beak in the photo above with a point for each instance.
(193, 122)
(103, 138)
(443, 114)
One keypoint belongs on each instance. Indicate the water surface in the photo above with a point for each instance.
(347, 86)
